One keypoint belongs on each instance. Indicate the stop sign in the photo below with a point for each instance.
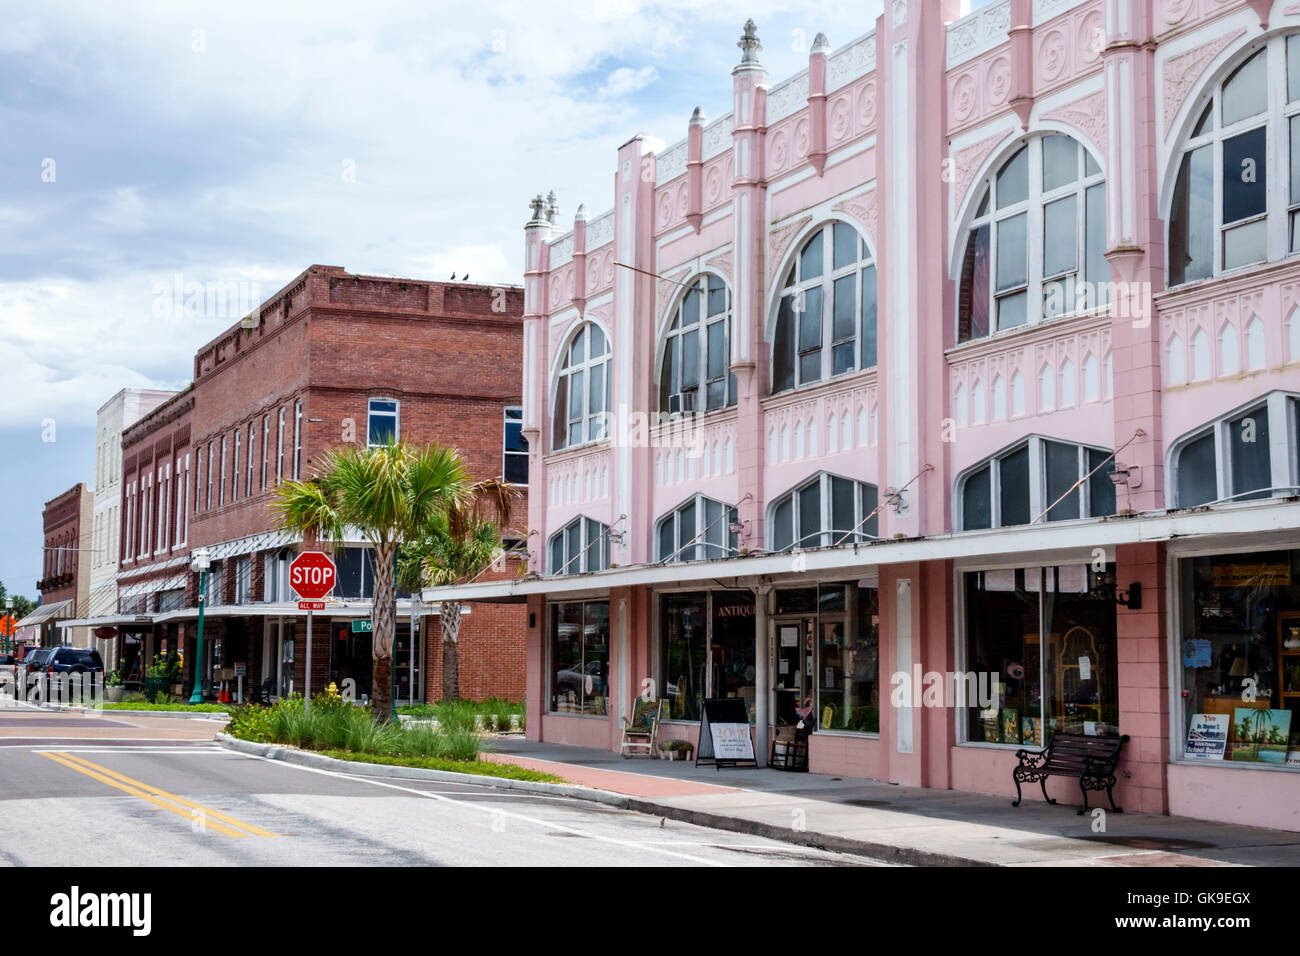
(312, 575)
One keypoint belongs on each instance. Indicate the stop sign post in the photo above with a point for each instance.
(312, 576)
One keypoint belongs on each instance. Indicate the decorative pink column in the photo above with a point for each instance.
(817, 102)
(536, 348)
(695, 170)
(1136, 251)
(1021, 42)
(749, 348)
(632, 468)
(580, 259)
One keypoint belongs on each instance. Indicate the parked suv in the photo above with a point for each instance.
(74, 660)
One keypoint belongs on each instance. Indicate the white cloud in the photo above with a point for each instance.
(626, 80)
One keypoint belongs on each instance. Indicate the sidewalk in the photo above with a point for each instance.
(903, 824)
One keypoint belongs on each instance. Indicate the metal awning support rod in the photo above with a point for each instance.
(1074, 487)
(603, 534)
(884, 501)
(725, 513)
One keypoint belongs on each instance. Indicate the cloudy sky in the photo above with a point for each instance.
(146, 145)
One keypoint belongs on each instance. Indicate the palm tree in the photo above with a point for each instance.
(388, 494)
(456, 546)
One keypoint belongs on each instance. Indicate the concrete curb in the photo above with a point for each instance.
(105, 712)
(884, 852)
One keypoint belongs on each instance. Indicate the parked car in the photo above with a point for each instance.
(36, 658)
(74, 660)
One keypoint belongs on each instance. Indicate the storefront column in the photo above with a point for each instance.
(1143, 680)
(535, 668)
(762, 676)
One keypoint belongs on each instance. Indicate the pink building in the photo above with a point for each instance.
(970, 355)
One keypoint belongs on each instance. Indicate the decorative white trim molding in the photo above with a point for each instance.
(1045, 10)
(562, 251)
(787, 98)
(978, 32)
(717, 136)
(851, 62)
(600, 230)
(671, 163)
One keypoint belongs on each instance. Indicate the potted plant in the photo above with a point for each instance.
(670, 749)
(114, 690)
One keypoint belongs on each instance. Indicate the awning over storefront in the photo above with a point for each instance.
(1057, 542)
(357, 609)
(57, 611)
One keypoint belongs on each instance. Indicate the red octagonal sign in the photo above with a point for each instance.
(312, 575)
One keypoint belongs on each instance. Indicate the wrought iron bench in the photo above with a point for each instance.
(1091, 760)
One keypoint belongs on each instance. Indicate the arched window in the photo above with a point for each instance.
(1221, 216)
(582, 390)
(696, 371)
(1036, 245)
(821, 511)
(1017, 485)
(826, 318)
(1234, 458)
(581, 545)
(699, 529)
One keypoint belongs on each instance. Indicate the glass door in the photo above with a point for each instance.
(792, 676)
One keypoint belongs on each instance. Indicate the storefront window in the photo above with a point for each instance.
(1041, 654)
(827, 657)
(580, 657)
(686, 647)
(708, 650)
(1240, 657)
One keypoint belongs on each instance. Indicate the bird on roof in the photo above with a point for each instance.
(465, 277)
(453, 277)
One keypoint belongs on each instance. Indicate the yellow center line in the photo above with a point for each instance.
(158, 797)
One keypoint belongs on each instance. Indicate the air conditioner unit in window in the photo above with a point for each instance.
(682, 402)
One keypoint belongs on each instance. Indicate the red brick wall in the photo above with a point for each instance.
(450, 354)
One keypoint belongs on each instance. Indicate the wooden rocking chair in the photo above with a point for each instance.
(640, 733)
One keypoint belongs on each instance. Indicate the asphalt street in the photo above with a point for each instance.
(130, 790)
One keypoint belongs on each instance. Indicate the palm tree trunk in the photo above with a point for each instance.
(449, 615)
(381, 641)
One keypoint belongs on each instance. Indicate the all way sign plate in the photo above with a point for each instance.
(311, 605)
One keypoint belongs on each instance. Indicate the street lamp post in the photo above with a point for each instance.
(9, 624)
(202, 560)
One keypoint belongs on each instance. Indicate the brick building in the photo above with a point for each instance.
(332, 358)
(65, 569)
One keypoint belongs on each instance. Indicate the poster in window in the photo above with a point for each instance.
(1207, 737)
(1260, 735)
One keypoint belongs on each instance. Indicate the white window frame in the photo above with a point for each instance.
(221, 498)
(395, 414)
(829, 535)
(826, 282)
(506, 453)
(1034, 208)
(569, 372)
(585, 551)
(699, 550)
(127, 554)
(211, 448)
(183, 506)
(675, 330)
(252, 443)
(1280, 206)
(279, 450)
(297, 439)
(234, 471)
(266, 443)
(1282, 409)
(1038, 500)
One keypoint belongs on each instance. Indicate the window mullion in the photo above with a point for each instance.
(995, 493)
(1279, 457)
(1037, 477)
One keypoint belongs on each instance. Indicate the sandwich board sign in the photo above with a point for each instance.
(724, 734)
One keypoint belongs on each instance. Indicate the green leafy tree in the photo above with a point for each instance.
(456, 547)
(22, 606)
(389, 495)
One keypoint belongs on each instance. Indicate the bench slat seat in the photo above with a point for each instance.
(1092, 760)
